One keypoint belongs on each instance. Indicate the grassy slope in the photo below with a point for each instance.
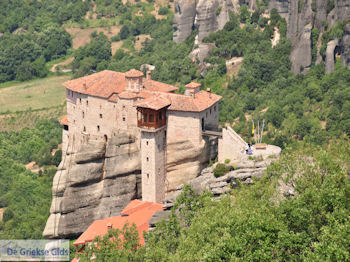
(35, 94)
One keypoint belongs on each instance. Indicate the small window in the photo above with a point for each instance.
(210, 110)
(146, 143)
(123, 107)
(147, 176)
(123, 118)
(100, 115)
(214, 108)
(87, 103)
(151, 118)
(83, 114)
(84, 129)
(98, 128)
(100, 106)
(80, 100)
(147, 159)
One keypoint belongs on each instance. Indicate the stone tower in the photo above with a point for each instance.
(152, 124)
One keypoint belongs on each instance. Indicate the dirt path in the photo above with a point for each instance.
(233, 65)
(66, 62)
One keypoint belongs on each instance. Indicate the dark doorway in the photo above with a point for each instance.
(202, 124)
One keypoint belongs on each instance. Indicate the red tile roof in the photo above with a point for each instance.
(64, 120)
(138, 212)
(155, 102)
(133, 73)
(178, 102)
(153, 85)
(193, 85)
(105, 83)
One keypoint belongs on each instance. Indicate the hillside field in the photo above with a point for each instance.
(35, 94)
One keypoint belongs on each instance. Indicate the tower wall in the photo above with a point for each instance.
(153, 159)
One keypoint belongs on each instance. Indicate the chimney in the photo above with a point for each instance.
(109, 226)
(195, 87)
(209, 91)
(148, 77)
(192, 93)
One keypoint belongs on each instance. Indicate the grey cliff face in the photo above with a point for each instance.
(101, 178)
(205, 15)
(185, 12)
(300, 22)
(96, 182)
(346, 46)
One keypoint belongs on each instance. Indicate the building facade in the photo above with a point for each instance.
(109, 102)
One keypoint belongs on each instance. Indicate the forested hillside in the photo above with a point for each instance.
(32, 35)
(26, 195)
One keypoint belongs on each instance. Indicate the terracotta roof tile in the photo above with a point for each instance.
(101, 84)
(155, 102)
(139, 212)
(193, 85)
(153, 85)
(133, 73)
(192, 103)
(128, 95)
(106, 83)
(64, 120)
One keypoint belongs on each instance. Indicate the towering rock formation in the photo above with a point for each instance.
(100, 179)
(301, 16)
(346, 46)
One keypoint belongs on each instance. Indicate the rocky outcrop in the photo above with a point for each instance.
(330, 55)
(185, 12)
(346, 46)
(185, 161)
(100, 179)
(96, 182)
(301, 16)
(205, 15)
(246, 173)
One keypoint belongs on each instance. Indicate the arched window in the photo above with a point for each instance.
(98, 128)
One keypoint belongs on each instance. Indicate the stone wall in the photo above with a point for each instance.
(231, 146)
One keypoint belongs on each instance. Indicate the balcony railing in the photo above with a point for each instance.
(154, 125)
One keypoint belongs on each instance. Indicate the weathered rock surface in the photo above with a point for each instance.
(346, 46)
(85, 188)
(330, 55)
(211, 15)
(185, 12)
(245, 173)
(101, 178)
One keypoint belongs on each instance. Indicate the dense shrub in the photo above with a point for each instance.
(221, 169)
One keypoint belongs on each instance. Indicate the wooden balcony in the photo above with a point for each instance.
(151, 119)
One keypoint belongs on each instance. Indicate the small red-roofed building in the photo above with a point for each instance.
(136, 212)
